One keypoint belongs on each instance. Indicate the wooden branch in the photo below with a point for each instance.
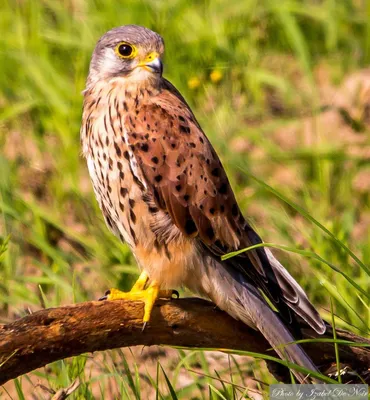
(53, 334)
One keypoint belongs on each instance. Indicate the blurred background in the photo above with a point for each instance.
(282, 89)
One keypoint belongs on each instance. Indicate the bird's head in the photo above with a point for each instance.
(130, 52)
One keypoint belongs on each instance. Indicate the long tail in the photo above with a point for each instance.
(249, 307)
(232, 292)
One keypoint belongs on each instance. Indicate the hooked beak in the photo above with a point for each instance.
(152, 63)
(156, 66)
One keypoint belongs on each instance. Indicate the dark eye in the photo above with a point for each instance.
(125, 50)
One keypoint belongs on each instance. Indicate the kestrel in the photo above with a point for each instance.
(163, 190)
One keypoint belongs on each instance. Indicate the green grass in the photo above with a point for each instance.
(261, 77)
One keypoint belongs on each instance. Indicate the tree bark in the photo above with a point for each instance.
(56, 333)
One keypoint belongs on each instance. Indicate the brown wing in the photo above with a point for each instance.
(184, 172)
(187, 180)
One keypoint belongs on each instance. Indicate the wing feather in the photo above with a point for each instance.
(188, 181)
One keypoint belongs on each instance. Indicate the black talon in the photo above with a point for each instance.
(144, 325)
(176, 294)
(105, 297)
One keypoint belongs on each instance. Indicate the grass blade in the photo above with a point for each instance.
(309, 217)
(169, 385)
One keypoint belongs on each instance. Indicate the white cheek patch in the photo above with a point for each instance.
(109, 62)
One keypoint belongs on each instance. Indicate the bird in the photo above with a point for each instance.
(163, 190)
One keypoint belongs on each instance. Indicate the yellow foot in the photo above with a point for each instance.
(139, 293)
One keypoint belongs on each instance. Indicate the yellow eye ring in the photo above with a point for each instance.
(125, 50)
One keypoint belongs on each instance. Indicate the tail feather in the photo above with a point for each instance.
(298, 300)
(233, 290)
(249, 307)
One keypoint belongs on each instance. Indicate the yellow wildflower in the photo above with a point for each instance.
(194, 82)
(216, 75)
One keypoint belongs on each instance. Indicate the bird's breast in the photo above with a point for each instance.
(120, 188)
(117, 181)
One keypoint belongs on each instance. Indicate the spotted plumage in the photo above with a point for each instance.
(163, 190)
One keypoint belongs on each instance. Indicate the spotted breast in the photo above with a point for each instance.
(129, 209)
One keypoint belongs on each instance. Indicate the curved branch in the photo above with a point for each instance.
(53, 334)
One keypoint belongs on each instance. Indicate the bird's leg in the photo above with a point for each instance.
(141, 282)
(139, 293)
